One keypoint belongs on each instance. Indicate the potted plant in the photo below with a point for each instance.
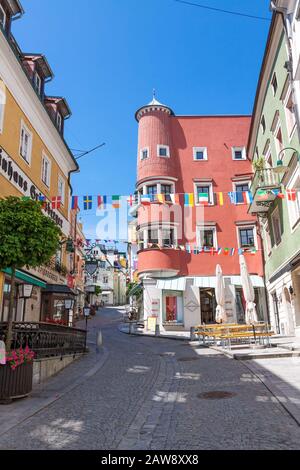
(28, 238)
(259, 164)
(16, 374)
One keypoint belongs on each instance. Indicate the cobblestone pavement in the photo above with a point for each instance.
(148, 395)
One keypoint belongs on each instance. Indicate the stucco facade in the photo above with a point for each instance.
(275, 136)
(34, 161)
(179, 155)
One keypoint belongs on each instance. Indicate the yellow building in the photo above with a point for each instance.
(34, 161)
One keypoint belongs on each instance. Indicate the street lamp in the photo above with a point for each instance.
(25, 292)
(280, 168)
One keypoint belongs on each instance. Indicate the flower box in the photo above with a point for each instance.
(15, 383)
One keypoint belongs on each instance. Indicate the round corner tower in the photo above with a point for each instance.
(155, 148)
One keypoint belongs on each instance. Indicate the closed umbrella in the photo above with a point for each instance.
(249, 294)
(221, 316)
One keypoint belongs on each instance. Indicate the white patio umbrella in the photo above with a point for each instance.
(221, 316)
(249, 294)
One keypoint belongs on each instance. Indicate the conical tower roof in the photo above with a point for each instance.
(154, 105)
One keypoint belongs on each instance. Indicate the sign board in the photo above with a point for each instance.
(2, 353)
(86, 311)
(16, 176)
(151, 323)
(155, 307)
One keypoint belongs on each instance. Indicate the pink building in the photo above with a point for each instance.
(202, 159)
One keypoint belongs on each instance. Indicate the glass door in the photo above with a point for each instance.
(208, 305)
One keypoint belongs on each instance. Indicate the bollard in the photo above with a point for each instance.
(156, 330)
(99, 339)
(192, 334)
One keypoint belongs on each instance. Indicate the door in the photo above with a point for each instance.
(208, 305)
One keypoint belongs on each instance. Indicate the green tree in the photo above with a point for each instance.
(98, 290)
(27, 238)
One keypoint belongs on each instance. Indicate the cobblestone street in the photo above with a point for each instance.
(148, 394)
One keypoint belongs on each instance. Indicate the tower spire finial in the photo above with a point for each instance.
(154, 93)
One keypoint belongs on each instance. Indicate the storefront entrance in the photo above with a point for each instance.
(208, 305)
(172, 307)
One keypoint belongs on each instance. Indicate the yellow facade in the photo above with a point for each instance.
(10, 142)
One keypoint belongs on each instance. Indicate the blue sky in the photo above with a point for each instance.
(108, 55)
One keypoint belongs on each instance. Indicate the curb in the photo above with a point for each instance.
(176, 338)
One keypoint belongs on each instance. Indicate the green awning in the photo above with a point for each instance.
(26, 277)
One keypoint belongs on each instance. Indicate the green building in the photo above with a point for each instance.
(273, 147)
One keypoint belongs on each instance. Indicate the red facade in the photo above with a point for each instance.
(221, 172)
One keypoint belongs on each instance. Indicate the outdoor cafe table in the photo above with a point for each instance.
(232, 330)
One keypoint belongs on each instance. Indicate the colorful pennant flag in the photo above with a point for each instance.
(247, 197)
(56, 202)
(101, 202)
(130, 200)
(43, 200)
(74, 204)
(115, 202)
(275, 191)
(145, 199)
(232, 251)
(240, 251)
(221, 199)
(226, 251)
(262, 194)
(219, 251)
(87, 202)
(291, 194)
(233, 197)
(174, 198)
(188, 248)
(280, 195)
(203, 198)
(189, 199)
(161, 198)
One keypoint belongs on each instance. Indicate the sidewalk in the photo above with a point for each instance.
(54, 388)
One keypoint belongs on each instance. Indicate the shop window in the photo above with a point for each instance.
(172, 307)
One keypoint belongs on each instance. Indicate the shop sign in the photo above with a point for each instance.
(13, 173)
(151, 323)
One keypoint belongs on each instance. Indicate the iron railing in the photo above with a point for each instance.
(46, 339)
(266, 178)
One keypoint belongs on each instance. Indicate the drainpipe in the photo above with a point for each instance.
(264, 271)
(290, 64)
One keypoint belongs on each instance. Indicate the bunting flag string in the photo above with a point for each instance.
(189, 199)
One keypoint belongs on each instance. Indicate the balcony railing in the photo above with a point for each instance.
(265, 179)
(263, 184)
(46, 339)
